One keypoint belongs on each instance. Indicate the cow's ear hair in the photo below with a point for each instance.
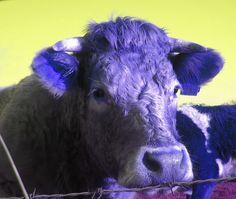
(194, 66)
(56, 69)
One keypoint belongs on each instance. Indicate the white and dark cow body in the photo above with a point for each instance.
(209, 133)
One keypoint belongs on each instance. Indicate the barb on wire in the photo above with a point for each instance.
(98, 194)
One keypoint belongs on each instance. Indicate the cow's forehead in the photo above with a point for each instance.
(133, 69)
(126, 34)
(130, 52)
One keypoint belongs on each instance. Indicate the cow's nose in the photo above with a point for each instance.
(157, 159)
(170, 162)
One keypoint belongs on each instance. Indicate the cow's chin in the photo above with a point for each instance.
(138, 180)
(158, 193)
(134, 182)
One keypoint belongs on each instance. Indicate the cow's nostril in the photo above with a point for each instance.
(151, 162)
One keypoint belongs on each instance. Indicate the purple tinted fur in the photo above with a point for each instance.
(132, 61)
(191, 77)
(152, 46)
(134, 46)
(127, 34)
(58, 70)
(117, 100)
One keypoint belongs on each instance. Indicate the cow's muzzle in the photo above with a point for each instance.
(152, 166)
(168, 163)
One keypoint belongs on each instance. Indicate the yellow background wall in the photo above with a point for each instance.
(26, 26)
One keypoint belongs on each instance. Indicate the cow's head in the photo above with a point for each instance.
(130, 72)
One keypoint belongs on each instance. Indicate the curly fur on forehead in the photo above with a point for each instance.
(128, 44)
(126, 34)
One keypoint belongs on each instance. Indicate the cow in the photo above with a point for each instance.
(103, 106)
(209, 133)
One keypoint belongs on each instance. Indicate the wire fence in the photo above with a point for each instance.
(100, 191)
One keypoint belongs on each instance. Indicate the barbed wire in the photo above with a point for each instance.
(100, 191)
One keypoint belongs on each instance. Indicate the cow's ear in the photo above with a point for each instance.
(194, 66)
(56, 69)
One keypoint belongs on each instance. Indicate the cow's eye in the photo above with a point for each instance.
(99, 94)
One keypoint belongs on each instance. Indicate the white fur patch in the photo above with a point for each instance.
(229, 169)
(201, 120)
(220, 166)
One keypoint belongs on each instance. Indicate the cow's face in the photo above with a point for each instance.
(131, 74)
(131, 111)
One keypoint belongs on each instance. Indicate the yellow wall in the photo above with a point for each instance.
(29, 25)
